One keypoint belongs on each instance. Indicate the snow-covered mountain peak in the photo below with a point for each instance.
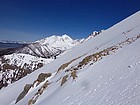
(54, 39)
(67, 37)
(63, 42)
(49, 47)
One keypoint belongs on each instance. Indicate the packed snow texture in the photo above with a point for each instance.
(112, 80)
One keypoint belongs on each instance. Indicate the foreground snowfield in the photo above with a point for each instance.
(113, 79)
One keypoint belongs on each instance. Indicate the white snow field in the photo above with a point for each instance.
(105, 70)
(61, 42)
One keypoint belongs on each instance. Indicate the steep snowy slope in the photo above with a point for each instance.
(101, 71)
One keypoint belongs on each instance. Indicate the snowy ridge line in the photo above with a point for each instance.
(72, 72)
(92, 35)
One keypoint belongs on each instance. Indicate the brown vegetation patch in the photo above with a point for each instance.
(73, 74)
(64, 79)
(62, 67)
(24, 92)
(41, 78)
(39, 92)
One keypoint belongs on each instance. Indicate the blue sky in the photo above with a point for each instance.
(30, 20)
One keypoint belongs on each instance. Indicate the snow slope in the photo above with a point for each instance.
(104, 70)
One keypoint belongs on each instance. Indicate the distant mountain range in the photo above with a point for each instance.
(18, 42)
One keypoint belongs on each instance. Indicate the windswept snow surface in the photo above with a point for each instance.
(112, 80)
